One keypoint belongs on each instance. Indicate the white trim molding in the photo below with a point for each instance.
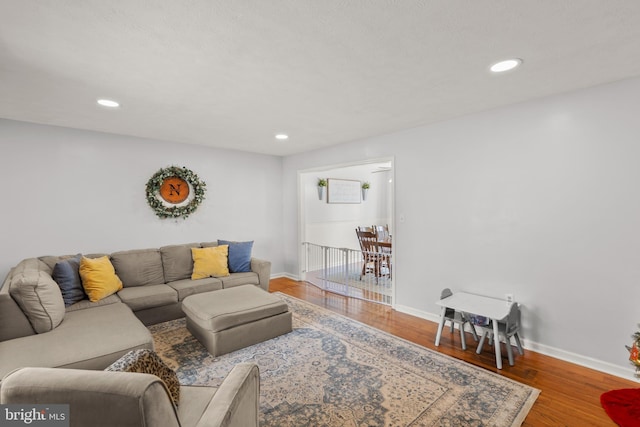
(286, 275)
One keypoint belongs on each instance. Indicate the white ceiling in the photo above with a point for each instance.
(233, 73)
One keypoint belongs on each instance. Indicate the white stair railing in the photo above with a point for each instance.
(342, 270)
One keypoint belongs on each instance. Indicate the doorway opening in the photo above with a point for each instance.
(331, 253)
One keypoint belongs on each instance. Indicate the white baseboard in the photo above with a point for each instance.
(286, 275)
(418, 313)
(577, 359)
(627, 373)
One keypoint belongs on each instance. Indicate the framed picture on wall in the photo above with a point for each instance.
(343, 191)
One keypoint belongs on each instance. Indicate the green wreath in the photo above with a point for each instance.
(160, 207)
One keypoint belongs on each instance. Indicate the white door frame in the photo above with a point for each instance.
(302, 211)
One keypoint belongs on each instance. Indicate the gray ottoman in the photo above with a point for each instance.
(234, 318)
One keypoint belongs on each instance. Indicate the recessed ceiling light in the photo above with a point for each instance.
(506, 65)
(108, 103)
(282, 136)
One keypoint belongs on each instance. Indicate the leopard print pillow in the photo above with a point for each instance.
(148, 362)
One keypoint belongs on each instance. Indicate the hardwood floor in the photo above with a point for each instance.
(570, 394)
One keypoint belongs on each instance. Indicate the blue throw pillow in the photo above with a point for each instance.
(67, 276)
(239, 255)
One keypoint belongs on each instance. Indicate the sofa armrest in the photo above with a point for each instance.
(13, 322)
(237, 401)
(263, 268)
(92, 396)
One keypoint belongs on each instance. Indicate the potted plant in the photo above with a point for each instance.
(365, 189)
(322, 185)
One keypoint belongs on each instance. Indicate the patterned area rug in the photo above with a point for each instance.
(334, 371)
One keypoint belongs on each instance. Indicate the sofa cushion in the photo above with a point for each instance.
(188, 287)
(138, 267)
(37, 294)
(99, 278)
(142, 297)
(177, 261)
(199, 398)
(86, 303)
(87, 339)
(239, 255)
(145, 361)
(51, 260)
(210, 262)
(240, 279)
(67, 275)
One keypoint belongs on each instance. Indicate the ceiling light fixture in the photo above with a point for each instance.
(509, 64)
(282, 136)
(108, 103)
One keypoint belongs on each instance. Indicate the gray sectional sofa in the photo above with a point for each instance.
(36, 329)
(107, 399)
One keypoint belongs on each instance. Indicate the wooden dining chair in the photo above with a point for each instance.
(372, 255)
(384, 242)
(385, 247)
(382, 232)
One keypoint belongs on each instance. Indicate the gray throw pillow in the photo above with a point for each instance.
(67, 276)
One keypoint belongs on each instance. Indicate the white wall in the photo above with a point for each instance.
(69, 191)
(539, 199)
(332, 224)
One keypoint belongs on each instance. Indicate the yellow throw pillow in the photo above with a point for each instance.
(99, 278)
(210, 262)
